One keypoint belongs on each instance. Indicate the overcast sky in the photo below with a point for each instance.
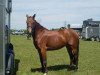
(54, 13)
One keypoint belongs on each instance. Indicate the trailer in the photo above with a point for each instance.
(6, 48)
(91, 30)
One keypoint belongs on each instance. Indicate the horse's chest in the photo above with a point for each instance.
(39, 42)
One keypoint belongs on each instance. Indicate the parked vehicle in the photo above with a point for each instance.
(18, 32)
(91, 30)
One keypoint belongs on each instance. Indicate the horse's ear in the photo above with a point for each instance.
(34, 16)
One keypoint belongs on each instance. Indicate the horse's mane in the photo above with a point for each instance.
(37, 26)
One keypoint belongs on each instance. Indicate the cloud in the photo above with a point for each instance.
(54, 11)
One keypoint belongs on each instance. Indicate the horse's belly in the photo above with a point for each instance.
(55, 46)
(55, 42)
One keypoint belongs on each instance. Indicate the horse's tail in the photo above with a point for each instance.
(78, 46)
(78, 52)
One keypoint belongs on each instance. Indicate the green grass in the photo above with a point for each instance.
(57, 61)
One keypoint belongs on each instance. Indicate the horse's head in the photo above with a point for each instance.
(30, 22)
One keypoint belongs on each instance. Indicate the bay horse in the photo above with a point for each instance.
(45, 40)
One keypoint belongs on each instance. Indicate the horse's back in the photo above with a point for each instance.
(64, 34)
(58, 38)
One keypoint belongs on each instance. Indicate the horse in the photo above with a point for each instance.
(47, 40)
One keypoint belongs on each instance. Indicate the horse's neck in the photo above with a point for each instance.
(39, 27)
(38, 30)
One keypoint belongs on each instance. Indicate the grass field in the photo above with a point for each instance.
(27, 60)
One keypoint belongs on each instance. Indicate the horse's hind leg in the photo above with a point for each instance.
(70, 55)
(73, 54)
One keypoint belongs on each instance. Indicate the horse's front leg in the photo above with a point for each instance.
(43, 59)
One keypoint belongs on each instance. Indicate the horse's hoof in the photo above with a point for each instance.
(72, 67)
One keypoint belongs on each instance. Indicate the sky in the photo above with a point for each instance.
(54, 13)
